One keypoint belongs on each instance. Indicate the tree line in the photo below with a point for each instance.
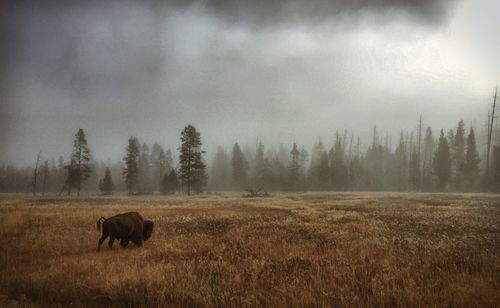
(423, 160)
(419, 162)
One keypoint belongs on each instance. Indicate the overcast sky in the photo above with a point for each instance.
(280, 71)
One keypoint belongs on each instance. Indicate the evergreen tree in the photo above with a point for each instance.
(451, 145)
(106, 185)
(303, 157)
(220, 173)
(316, 167)
(470, 166)
(428, 152)
(414, 171)
(442, 163)
(338, 167)
(144, 171)
(294, 168)
(458, 156)
(262, 174)
(169, 160)
(158, 162)
(239, 168)
(355, 173)
(192, 170)
(61, 174)
(71, 176)
(170, 183)
(401, 164)
(323, 172)
(79, 169)
(377, 168)
(495, 158)
(131, 170)
(279, 169)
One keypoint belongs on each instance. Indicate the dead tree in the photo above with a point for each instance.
(252, 193)
(490, 132)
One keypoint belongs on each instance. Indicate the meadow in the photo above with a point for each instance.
(286, 250)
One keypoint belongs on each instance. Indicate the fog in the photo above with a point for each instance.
(277, 71)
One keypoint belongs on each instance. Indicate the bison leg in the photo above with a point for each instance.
(111, 241)
(124, 242)
(137, 241)
(101, 240)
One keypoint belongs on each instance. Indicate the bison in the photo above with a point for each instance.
(125, 227)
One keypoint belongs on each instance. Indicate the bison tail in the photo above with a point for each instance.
(99, 223)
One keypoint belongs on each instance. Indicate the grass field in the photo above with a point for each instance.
(289, 250)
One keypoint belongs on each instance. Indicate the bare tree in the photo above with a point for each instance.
(490, 129)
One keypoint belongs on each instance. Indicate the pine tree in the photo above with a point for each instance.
(451, 144)
(338, 167)
(429, 147)
(355, 173)
(458, 156)
(323, 172)
(262, 173)
(61, 174)
(295, 168)
(192, 170)
(317, 181)
(401, 165)
(279, 171)
(220, 173)
(144, 176)
(496, 168)
(131, 170)
(239, 168)
(70, 176)
(79, 168)
(158, 162)
(414, 171)
(303, 158)
(377, 171)
(169, 161)
(106, 185)
(170, 183)
(470, 166)
(442, 163)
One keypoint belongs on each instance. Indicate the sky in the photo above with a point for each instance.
(278, 71)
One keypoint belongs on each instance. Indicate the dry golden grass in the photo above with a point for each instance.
(290, 250)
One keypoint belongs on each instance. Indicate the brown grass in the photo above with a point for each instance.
(290, 250)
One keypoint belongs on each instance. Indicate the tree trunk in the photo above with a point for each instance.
(189, 173)
(79, 169)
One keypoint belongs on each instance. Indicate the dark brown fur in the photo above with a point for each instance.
(125, 227)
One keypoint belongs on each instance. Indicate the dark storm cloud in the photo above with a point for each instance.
(272, 12)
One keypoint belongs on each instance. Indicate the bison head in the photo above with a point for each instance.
(148, 229)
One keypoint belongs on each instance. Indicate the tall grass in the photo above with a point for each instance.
(289, 250)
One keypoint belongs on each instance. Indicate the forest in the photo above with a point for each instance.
(424, 160)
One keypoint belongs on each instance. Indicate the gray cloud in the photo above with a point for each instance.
(272, 12)
(283, 71)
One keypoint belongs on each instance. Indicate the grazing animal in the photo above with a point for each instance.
(125, 227)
